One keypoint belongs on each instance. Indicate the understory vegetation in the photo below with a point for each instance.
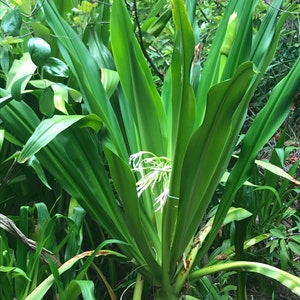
(149, 149)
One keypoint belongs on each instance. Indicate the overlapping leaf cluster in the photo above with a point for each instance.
(192, 126)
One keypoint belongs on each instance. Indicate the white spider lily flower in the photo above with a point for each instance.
(161, 199)
(154, 171)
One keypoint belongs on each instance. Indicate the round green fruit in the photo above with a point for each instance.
(39, 51)
(11, 22)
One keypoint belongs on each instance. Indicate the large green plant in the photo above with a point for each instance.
(149, 167)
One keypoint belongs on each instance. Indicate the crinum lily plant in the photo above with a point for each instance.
(145, 162)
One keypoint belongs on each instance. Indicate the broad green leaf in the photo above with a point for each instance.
(60, 97)
(110, 81)
(137, 221)
(12, 139)
(40, 30)
(81, 287)
(64, 7)
(58, 282)
(98, 50)
(86, 71)
(75, 95)
(227, 174)
(284, 255)
(50, 128)
(5, 100)
(155, 26)
(41, 83)
(236, 214)
(24, 5)
(183, 98)
(46, 104)
(278, 233)
(14, 114)
(62, 158)
(137, 83)
(296, 238)
(210, 71)
(182, 114)
(19, 69)
(210, 149)
(241, 48)
(295, 247)
(264, 37)
(267, 121)
(75, 238)
(18, 86)
(56, 67)
(4, 59)
(273, 245)
(43, 215)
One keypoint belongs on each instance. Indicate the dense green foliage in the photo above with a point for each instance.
(125, 136)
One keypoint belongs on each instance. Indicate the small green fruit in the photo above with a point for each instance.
(39, 51)
(11, 22)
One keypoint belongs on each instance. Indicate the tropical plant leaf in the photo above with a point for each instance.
(276, 170)
(209, 149)
(56, 67)
(110, 81)
(126, 187)
(290, 281)
(39, 292)
(35, 164)
(20, 69)
(50, 128)
(81, 287)
(15, 271)
(181, 115)
(86, 71)
(264, 126)
(137, 83)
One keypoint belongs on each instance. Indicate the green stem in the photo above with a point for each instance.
(189, 261)
(138, 289)
(166, 293)
(239, 239)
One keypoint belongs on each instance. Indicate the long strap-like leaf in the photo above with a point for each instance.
(136, 79)
(290, 281)
(264, 126)
(86, 71)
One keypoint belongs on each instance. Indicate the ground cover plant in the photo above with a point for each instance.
(152, 155)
